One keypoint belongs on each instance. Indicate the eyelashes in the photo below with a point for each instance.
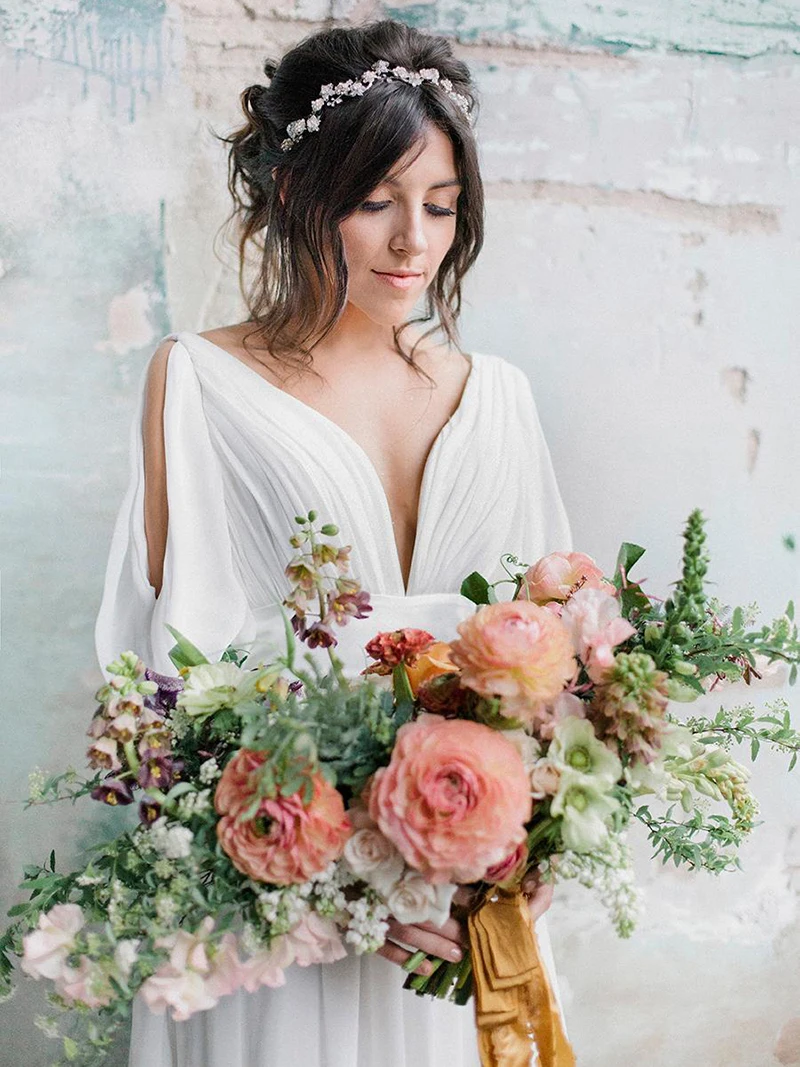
(379, 205)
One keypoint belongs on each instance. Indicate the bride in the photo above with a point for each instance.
(355, 177)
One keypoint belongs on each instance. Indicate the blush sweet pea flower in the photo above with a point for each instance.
(559, 574)
(454, 799)
(193, 979)
(592, 618)
(46, 948)
(518, 651)
(86, 983)
(286, 842)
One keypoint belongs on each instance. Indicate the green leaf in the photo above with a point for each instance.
(52, 860)
(793, 674)
(755, 744)
(70, 1049)
(626, 557)
(291, 643)
(184, 653)
(475, 588)
(790, 610)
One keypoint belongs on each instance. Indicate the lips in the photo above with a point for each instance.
(398, 281)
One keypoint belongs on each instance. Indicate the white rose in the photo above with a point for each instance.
(374, 858)
(413, 901)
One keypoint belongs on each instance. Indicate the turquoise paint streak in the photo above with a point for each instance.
(740, 28)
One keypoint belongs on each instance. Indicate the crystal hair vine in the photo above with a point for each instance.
(334, 93)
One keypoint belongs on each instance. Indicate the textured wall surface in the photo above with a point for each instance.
(641, 263)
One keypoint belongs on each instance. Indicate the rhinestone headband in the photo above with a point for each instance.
(334, 93)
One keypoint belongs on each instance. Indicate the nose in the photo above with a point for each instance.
(410, 234)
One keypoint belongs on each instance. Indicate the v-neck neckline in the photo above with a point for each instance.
(365, 460)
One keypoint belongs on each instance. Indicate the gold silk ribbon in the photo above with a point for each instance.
(515, 1008)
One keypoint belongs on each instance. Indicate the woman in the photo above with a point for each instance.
(432, 463)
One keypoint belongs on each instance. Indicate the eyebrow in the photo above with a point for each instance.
(437, 185)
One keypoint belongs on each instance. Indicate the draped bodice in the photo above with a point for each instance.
(244, 457)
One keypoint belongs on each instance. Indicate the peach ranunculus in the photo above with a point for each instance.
(518, 651)
(593, 620)
(433, 662)
(558, 575)
(285, 842)
(454, 799)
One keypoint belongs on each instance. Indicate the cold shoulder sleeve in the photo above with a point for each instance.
(200, 594)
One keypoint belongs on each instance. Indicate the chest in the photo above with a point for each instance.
(395, 418)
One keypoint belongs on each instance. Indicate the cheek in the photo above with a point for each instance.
(359, 242)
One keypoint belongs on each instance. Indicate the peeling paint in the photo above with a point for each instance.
(752, 449)
(736, 380)
(760, 26)
(731, 218)
(787, 1047)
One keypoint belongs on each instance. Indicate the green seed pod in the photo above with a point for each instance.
(329, 530)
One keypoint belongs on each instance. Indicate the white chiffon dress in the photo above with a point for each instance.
(243, 458)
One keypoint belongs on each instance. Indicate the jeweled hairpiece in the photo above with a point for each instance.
(334, 93)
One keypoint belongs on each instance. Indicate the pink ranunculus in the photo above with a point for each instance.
(454, 799)
(508, 871)
(286, 842)
(45, 949)
(593, 620)
(518, 651)
(558, 575)
(86, 983)
(315, 940)
(267, 966)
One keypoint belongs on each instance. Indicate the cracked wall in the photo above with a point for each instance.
(641, 263)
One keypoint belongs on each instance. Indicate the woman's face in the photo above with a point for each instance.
(407, 225)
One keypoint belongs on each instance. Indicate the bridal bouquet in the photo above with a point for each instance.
(285, 811)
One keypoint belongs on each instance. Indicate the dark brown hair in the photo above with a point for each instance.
(300, 286)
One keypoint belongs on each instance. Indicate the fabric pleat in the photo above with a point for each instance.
(243, 458)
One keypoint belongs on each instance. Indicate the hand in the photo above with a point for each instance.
(447, 942)
(539, 894)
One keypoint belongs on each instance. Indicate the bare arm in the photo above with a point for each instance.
(156, 511)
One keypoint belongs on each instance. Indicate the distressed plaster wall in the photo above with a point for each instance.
(641, 264)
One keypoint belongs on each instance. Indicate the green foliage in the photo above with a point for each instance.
(346, 730)
(476, 588)
(701, 841)
(184, 654)
(744, 724)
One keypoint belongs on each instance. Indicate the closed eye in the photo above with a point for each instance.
(379, 205)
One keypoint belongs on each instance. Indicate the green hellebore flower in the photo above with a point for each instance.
(575, 747)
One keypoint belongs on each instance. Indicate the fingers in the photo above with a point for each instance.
(531, 882)
(445, 942)
(465, 896)
(396, 954)
(540, 901)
